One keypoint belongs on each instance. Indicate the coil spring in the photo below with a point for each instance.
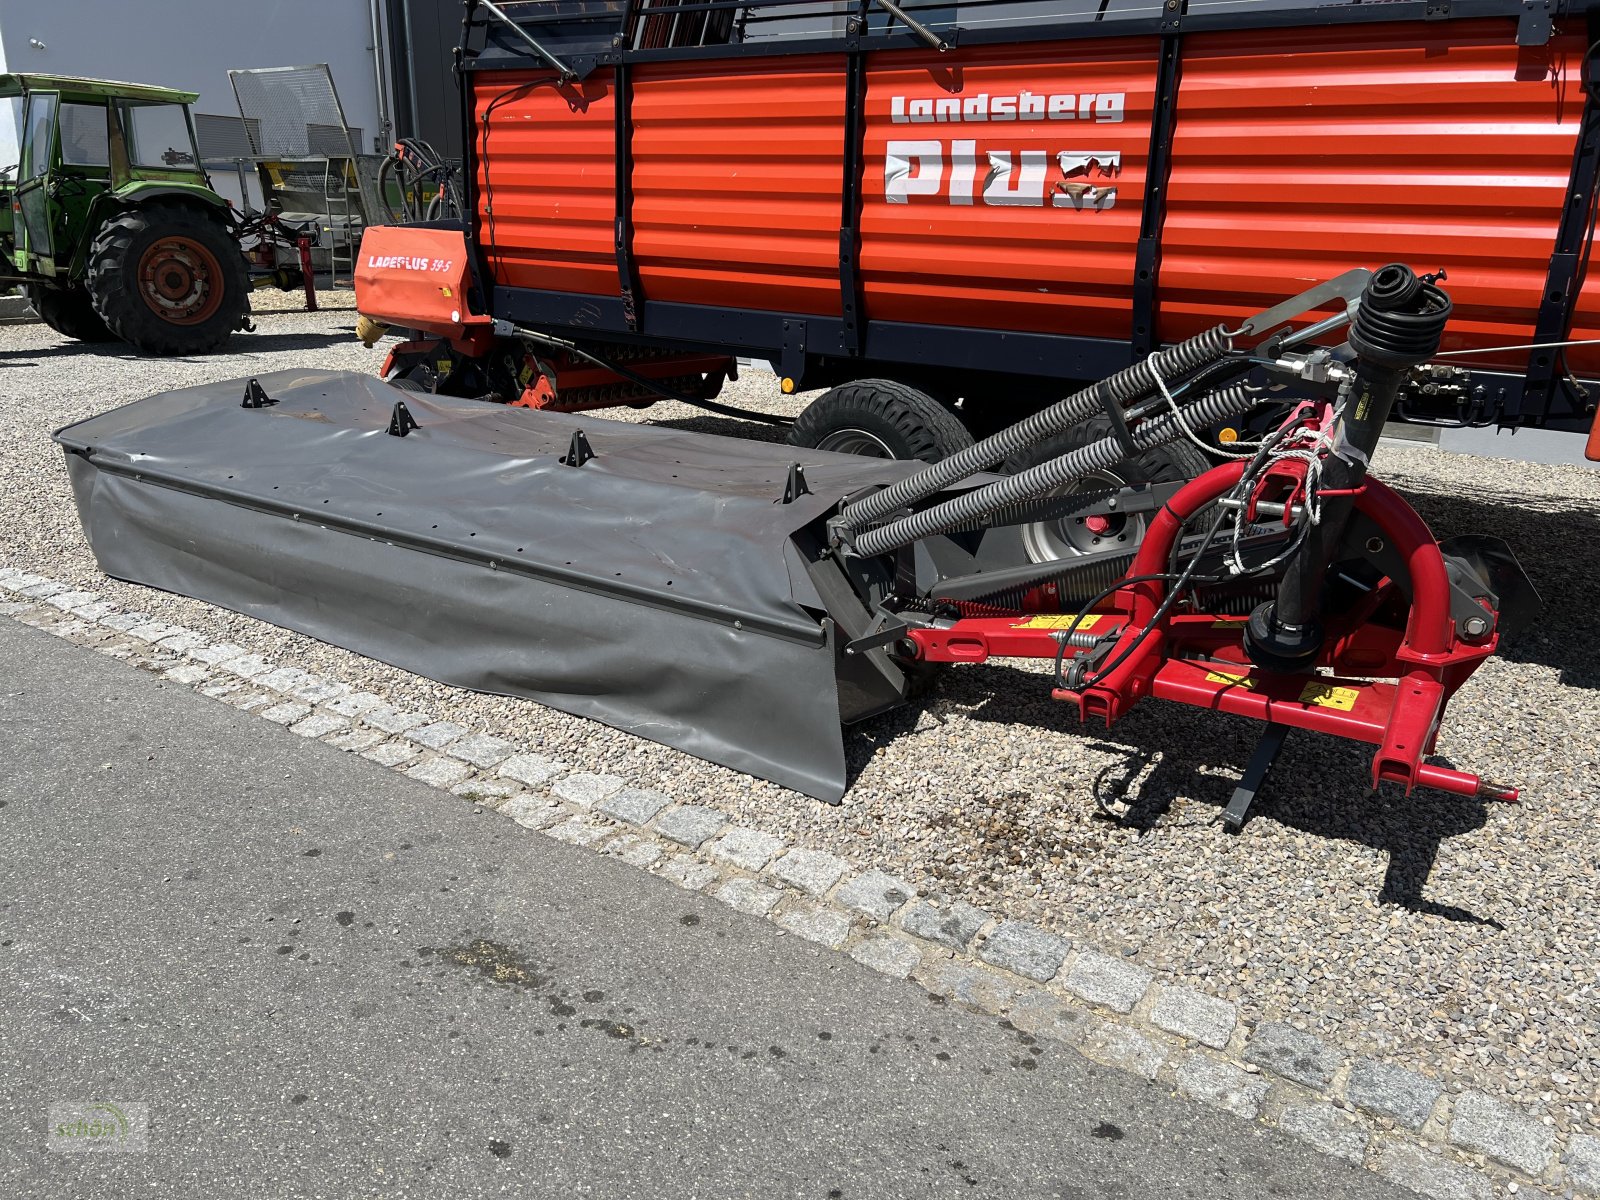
(1040, 481)
(1124, 388)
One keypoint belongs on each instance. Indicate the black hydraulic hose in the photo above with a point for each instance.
(726, 410)
(1045, 478)
(1123, 389)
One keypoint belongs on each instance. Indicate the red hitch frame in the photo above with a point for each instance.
(1383, 686)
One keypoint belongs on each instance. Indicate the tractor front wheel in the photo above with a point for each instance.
(69, 311)
(168, 279)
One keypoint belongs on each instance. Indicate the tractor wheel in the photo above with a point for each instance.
(881, 419)
(1070, 537)
(168, 279)
(69, 311)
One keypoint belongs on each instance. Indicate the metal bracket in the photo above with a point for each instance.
(1534, 24)
(1255, 774)
(1347, 287)
(255, 396)
(887, 633)
(578, 451)
(796, 485)
(401, 422)
(1439, 11)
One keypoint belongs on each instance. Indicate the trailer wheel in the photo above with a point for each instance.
(1071, 537)
(168, 279)
(880, 419)
(69, 312)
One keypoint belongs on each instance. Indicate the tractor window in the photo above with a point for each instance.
(83, 136)
(41, 124)
(158, 136)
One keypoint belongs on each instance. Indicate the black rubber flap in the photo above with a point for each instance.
(656, 587)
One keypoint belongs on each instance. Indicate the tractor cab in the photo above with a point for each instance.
(109, 220)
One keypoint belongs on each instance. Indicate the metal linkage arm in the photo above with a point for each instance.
(567, 73)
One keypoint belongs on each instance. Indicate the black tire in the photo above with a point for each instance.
(69, 311)
(1047, 541)
(169, 279)
(882, 419)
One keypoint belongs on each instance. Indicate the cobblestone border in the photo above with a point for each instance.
(1450, 1145)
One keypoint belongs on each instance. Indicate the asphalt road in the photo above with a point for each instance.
(324, 979)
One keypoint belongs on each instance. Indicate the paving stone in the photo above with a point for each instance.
(215, 654)
(319, 691)
(248, 701)
(356, 739)
(816, 924)
(355, 704)
(12, 576)
(319, 724)
(953, 926)
(1025, 949)
(482, 751)
(188, 673)
(219, 688)
(492, 792)
(1429, 1174)
(440, 772)
(282, 679)
(437, 735)
(531, 770)
(1391, 1091)
(690, 824)
(12, 608)
(965, 984)
(1292, 1053)
(1507, 1134)
(181, 642)
(635, 850)
(887, 955)
(71, 629)
(635, 806)
(246, 666)
(393, 720)
(71, 600)
(95, 609)
(749, 849)
(583, 789)
(1327, 1128)
(1118, 1046)
(532, 812)
(286, 714)
(1583, 1161)
(1193, 1014)
(1222, 1086)
(579, 831)
(875, 894)
(116, 648)
(151, 631)
(124, 621)
(748, 896)
(687, 871)
(1101, 979)
(813, 871)
(43, 589)
(1045, 1015)
(391, 754)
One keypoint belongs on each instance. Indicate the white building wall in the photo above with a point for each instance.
(193, 44)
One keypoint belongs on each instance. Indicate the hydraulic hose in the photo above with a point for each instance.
(1124, 388)
(1013, 490)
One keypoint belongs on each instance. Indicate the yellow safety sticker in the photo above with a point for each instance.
(1059, 622)
(443, 366)
(447, 292)
(1243, 681)
(1327, 695)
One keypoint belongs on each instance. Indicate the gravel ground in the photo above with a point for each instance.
(1431, 931)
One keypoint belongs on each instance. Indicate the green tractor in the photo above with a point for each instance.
(109, 222)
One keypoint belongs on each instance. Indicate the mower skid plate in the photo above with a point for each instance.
(657, 587)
